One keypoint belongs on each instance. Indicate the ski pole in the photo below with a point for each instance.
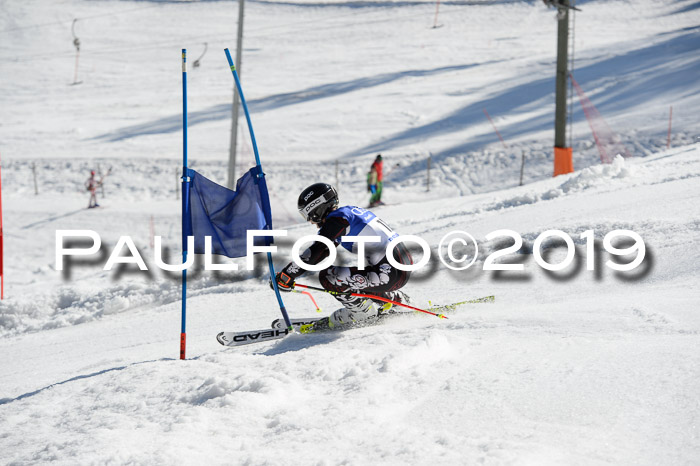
(318, 309)
(485, 299)
(360, 295)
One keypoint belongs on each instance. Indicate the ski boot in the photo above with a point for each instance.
(344, 317)
(319, 325)
(398, 296)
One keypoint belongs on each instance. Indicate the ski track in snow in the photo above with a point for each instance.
(575, 367)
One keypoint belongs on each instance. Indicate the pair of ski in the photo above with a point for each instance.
(278, 330)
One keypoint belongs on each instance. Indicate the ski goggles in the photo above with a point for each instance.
(308, 211)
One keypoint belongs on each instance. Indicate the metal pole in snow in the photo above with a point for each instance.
(36, 188)
(430, 157)
(561, 73)
(76, 42)
(236, 106)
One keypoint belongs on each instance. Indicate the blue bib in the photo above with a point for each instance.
(365, 223)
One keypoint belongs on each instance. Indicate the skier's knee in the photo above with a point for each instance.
(329, 280)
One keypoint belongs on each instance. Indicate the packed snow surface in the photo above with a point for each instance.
(575, 366)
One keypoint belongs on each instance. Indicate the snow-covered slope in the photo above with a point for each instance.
(575, 367)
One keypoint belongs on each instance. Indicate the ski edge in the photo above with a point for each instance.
(296, 323)
(251, 336)
(232, 339)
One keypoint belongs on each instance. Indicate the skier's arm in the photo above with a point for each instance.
(333, 228)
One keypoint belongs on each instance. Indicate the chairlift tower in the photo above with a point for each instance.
(563, 155)
(231, 182)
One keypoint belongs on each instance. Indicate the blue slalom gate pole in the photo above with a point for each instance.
(185, 203)
(260, 175)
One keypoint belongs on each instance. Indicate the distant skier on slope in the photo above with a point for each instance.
(91, 185)
(319, 204)
(375, 181)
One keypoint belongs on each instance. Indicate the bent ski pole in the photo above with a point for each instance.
(361, 295)
(318, 309)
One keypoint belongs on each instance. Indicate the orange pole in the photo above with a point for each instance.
(563, 160)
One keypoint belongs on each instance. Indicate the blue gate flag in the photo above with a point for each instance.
(227, 215)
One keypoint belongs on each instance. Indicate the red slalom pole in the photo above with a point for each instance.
(318, 309)
(437, 9)
(495, 129)
(378, 298)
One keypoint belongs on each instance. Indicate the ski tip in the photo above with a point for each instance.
(221, 338)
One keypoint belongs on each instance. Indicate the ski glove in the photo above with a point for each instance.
(284, 282)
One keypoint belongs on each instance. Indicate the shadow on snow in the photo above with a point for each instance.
(77, 377)
(223, 111)
(662, 70)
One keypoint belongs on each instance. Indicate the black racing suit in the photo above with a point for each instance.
(378, 278)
